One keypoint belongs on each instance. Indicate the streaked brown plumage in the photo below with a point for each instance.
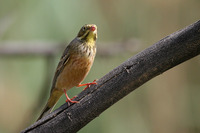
(74, 65)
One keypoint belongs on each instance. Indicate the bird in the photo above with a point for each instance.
(74, 65)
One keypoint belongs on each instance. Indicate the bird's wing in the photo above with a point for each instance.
(61, 65)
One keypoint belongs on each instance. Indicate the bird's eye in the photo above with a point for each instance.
(84, 28)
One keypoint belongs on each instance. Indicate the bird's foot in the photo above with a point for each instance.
(87, 84)
(68, 99)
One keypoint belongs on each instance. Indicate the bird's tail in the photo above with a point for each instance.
(54, 97)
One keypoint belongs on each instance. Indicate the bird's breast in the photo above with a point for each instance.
(74, 72)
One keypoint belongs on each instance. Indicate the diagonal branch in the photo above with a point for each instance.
(163, 55)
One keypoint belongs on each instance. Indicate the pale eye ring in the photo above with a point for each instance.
(84, 28)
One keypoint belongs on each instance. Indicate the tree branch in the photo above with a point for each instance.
(28, 49)
(163, 55)
(14, 49)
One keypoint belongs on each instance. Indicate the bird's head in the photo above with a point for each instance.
(88, 33)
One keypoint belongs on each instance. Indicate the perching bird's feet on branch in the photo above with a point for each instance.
(87, 84)
(68, 99)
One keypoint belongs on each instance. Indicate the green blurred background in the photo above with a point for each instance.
(168, 103)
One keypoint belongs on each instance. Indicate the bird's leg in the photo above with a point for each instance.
(68, 99)
(87, 84)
